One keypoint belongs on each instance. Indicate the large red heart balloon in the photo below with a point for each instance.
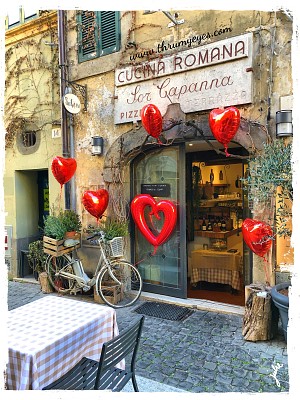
(224, 124)
(63, 169)
(95, 202)
(138, 205)
(151, 120)
(257, 236)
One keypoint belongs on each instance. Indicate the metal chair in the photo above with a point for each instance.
(89, 374)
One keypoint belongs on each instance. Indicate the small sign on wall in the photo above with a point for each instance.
(156, 189)
(72, 103)
(56, 133)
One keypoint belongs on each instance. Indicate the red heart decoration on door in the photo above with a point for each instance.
(95, 202)
(63, 169)
(169, 210)
(257, 236)
(224, 124)
(151, 120)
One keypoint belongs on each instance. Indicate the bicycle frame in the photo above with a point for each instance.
(83, 281)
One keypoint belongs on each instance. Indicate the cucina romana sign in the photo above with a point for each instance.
(215, 75)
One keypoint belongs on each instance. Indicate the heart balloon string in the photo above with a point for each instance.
(267, 276)
(259, 238)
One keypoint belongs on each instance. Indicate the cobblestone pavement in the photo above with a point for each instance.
(204, 353)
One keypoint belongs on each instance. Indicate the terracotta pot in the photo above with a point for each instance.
(70, 235)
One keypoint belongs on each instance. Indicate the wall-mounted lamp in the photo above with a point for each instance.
(97, 145)
(284, 126)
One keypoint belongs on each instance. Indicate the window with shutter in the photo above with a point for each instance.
(98, 34)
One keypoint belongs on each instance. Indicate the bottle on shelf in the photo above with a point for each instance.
(223, 224)
(211, 176)
(209, 226)
(215, 225)
(220, 175)
(203, 226)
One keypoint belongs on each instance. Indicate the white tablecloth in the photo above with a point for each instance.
(47, 337)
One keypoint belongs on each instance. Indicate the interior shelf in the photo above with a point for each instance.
(215, 184)
(214, 202)
(216, 235)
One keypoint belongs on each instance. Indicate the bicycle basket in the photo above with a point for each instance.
(117, 246)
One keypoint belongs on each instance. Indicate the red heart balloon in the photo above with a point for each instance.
(224, 124)
(169, 210)
(257, 236)
(95, 202)
(63, 169)
(151, 120)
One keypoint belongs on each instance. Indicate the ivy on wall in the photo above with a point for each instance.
(31, 81)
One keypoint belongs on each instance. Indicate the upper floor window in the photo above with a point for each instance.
(16, 16)
(98, 34)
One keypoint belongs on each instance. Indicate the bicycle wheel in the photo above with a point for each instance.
(53, 265)
(115, 295)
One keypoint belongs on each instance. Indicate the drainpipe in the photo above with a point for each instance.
(63, 80)
(72, 154)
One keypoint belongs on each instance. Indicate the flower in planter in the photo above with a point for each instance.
(54, 228)
(114, 228)
(70, 220)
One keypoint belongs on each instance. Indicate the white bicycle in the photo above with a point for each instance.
(117, 281)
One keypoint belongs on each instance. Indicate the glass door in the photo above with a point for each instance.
(161, 173)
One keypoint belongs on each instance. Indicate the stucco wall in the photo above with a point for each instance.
(271, 69)
(31, 104)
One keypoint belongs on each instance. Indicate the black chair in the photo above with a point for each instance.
(88, 374)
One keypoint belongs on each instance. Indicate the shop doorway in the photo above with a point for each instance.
(212, 203)
(32, 204)
(218, 262)
(161, 173)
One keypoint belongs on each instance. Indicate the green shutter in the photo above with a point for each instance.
(88, 36)
(98, 34)
(109, 32)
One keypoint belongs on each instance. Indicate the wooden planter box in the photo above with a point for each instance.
(56, 247)
(115, 292)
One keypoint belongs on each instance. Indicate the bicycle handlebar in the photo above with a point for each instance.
(100, 233)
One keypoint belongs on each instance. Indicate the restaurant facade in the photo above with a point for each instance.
(186, 63)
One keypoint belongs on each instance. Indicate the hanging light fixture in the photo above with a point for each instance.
(284, 126)
(97, 145)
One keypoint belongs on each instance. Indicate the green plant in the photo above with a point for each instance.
(54, 228)
(270, 176)
(70, 220)
(114, 228)
(36, 256)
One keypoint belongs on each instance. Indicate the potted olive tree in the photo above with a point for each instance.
(36, 257)
(270, 182)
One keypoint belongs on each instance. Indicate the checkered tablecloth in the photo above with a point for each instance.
(47, 337)
(218, 267)
(217, 276)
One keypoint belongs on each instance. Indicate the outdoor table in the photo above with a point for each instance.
(47, 337)
(216, 266)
